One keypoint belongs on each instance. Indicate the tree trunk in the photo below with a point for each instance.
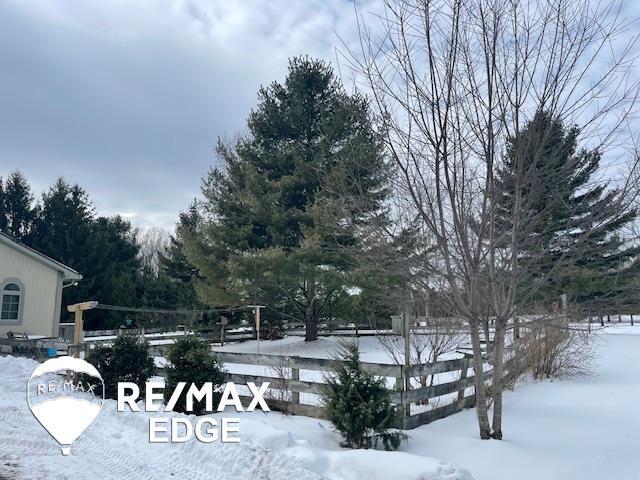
(498, 374)
(487, 334)
(478, 381)
(310, 323)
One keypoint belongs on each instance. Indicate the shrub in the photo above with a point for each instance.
(272, 332)
(358, 404)
(125, 360)
(193, 361)
(553, 349)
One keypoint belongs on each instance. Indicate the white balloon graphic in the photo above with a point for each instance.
(65, 394)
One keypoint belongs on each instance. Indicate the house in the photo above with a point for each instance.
(31, 289)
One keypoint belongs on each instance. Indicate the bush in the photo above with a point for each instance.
(126, 360)
(358, 405)
(554, 349)
(272, 332)
(193, 361)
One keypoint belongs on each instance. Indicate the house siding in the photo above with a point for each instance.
(40, 298)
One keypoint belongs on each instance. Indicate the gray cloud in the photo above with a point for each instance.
(128, 98)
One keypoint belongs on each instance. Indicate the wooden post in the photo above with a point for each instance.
(463, 375)
(257, 310)
(258, 327)
(632, 319)
(223, 324)
(77, 310)
(295, 396)
(78, 326)
(406, 381)
(619, 317)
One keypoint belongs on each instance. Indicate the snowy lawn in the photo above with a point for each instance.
(579, 429)
(585, 428)
(116, 447)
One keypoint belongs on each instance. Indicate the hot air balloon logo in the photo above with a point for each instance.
(65, 394)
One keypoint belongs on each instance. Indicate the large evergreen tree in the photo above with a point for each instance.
(286, 205)
(17, 207)
(178, 274)
(570, 223)
(103, 250)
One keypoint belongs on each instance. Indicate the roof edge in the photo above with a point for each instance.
(69, 273)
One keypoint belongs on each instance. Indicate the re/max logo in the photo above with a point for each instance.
(181, 429)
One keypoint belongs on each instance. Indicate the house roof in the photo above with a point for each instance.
(68, 272)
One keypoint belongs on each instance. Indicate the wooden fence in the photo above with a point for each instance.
(446, 386)
(415, 405)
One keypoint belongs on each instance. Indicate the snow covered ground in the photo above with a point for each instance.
(116, 447)
(585, 428)
(580, 429)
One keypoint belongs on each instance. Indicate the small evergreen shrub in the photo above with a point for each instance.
(125, 360)
(358, 404)
(272, 332)
(193, 361)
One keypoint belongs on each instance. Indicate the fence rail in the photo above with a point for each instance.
(435, 397)
(292, 386)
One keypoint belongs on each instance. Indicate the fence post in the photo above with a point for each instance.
(463, 375)
(401, 386)
(77, 310)
(295, 396)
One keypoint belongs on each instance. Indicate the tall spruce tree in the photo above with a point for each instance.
(103, 250)
(285, 207)
(570, 223)
(172, 286)
(19, 212)
(174, 264)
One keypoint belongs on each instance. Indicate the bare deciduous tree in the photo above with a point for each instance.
(153, 243)
(452, 81)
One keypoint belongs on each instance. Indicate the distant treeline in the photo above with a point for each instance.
(120, 265)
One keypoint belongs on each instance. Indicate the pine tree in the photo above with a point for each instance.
(192, 361)
(175, 268)
(571, 225)
(63, 227)
(288, 202)
(19, 212)
(126, 359)
(358, 404)
(103, 250)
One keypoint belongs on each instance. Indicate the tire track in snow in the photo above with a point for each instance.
(116, 447)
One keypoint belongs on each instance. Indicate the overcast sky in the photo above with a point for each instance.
(128, 98)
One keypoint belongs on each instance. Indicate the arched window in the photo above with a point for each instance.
(11, 302)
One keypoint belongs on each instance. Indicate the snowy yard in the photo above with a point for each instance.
(580, 429)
